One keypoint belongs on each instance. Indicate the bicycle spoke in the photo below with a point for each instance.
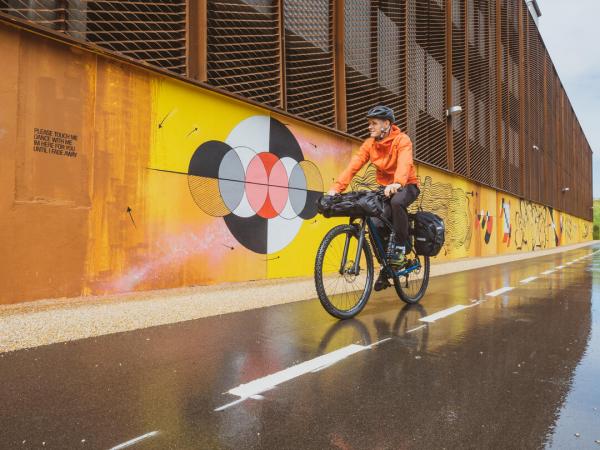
(342, 292)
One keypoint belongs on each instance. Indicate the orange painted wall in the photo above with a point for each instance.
(120, 215)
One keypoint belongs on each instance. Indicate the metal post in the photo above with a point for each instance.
(281, 32)
(448, 75)
(522, 96)
(197, 40)
(339, 70)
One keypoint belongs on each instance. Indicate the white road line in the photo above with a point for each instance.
(560, 267)
(548, 272)
(528, 280)
(229, 405)
(444, 313)
(135, 440)
(266, 383)
(498, 292)
(415, 329)
(379, 342)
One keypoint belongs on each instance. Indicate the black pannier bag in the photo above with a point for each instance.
(429, 233)
(351, 204)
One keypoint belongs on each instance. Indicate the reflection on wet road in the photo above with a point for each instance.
(502, 357)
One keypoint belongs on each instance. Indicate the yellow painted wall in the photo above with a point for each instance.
(526, 226)
(125, 214)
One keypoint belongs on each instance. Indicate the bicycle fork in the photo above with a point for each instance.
(355, 269)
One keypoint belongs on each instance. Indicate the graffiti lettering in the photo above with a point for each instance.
(533, 226)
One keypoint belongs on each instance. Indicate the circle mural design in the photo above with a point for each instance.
(258, 181)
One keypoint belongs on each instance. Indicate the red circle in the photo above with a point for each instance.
(257, 180)
(266, 185)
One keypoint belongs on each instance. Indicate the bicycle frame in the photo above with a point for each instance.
(367, 223)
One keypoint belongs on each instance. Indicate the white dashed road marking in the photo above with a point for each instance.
(254, 388)
(528, 280)
(266, 383)
(498, 292)
(444, 313)
(135, 440)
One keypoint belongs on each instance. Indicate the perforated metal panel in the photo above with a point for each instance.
(391, 47)
(396, 52)
(48, 13)
(509, 63)
(309, 59)
(360, 55)
(482, 91)
(151, 31)
(534, 111)
(374, 52)
(244, 54)
(427, 80)
(459, 123)
(548, 195)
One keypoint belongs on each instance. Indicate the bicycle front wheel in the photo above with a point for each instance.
(342, 291)
(412, 286)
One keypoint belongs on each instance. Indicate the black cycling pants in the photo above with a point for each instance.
(397, 214)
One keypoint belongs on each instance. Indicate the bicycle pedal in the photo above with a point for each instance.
(381, 283)
(380, 286)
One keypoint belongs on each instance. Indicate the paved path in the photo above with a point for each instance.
(476, 365)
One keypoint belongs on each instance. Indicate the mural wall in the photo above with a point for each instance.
(116, 179)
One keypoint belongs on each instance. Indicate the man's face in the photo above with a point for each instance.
(376, 126)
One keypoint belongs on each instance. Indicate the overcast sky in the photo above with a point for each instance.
(571, 31)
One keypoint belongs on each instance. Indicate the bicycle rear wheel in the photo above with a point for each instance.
(412, 286)
(343, 293)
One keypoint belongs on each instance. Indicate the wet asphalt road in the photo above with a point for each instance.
(520, 370)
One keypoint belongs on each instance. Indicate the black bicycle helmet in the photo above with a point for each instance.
(381, 112)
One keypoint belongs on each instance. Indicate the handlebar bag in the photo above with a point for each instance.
(351, 204)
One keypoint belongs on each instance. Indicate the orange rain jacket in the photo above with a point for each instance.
(392, 156)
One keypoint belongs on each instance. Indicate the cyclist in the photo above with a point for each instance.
(390, 150)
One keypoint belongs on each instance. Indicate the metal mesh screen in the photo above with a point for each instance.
(391, 75)
(534, 111)
(360, 55)
(243, 54)
(459, 87)
(427, 80)
(309, 59)
(482, 91)
(549, 129)
(510, 57)
(150, 31)
(517, 132)
(374, 54)
(558, 139)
